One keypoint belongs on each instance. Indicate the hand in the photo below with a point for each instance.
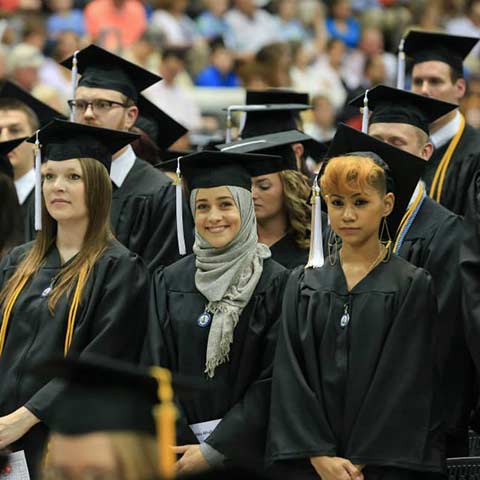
(336, 468)
(16, 425)
(192, 459)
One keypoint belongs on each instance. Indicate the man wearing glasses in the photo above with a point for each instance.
(143, 202)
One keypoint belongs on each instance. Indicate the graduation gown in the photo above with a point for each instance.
(28, 214)
(470, 271)
(239, 393)
(111, 320)
(433, 243)
(464, 163)
(143, 216)
(287, 252)
(363, 387)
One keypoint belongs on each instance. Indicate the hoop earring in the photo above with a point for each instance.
(385, 231)
(333, 247)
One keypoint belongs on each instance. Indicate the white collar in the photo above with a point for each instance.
(415, 193)
(121, 166)
(446, 133)
(24, 185)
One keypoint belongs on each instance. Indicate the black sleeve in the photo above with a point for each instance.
(241, 434)
(470, 271)
(117, 321)
(298, 425)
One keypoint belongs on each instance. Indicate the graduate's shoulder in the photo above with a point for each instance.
(15, 256)
(431, 217)
(178, 276)
(273, 274)
(116, 253)
(470, 141)
(146, 179)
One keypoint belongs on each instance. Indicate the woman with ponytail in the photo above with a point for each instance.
(74, 289)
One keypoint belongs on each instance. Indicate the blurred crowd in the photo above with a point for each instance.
(332, 49)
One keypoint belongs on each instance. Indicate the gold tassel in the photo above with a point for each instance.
(165, 415)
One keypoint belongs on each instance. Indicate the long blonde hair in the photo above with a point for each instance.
(98, 198)
(296, 191)
(135, 454)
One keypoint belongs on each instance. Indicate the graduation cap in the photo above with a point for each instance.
(208, 169)
(101, 394)
(169, 159)
(102, 69)
(162, 129)
(421, 46)
(393, 105)
(63, 140)
(271, 144)
(405, 168)
(6, 147)
(43, 112)
(273, 111)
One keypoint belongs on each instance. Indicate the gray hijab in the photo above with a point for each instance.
(228, 276)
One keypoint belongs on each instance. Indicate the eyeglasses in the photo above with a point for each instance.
(99, 106)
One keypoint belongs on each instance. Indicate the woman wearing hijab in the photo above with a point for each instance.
(355, 391)
(214, 315)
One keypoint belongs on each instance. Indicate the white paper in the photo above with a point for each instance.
(18, 465)
(203, 430)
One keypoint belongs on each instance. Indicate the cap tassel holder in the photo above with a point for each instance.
(38, 184)
(401, 65)
(74, 82)
(316, 257)
(182, 250)
(165, 415)
(365, 113)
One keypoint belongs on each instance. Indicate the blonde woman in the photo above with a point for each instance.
(74, 289)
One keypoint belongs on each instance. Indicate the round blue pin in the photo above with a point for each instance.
(204, 319)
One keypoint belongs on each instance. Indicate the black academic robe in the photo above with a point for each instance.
(28, 214)
(144, 216)
(239, 392)
(470, 271)
(464, 163)
(287, 252)
(364, 387)
(111, 320)
(433, 243)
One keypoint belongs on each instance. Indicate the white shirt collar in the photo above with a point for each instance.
(24, 185)
(415, 193)
(122, 165)
(446, 133)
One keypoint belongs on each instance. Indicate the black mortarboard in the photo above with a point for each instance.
(393, 105)
(162, 129)
(423, 46)
(169, 159)
(62, 140)
(209, 169)
(280, 112)
(102, 69)
(405, 169)
(103, 394)
(271, 144)
(6, 147)
(43, 112)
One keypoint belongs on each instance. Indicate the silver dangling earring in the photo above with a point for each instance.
(387, 244)
(333, 247)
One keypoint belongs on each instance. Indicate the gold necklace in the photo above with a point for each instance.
(378, 259)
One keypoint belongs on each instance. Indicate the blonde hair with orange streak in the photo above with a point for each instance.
(348, 174)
